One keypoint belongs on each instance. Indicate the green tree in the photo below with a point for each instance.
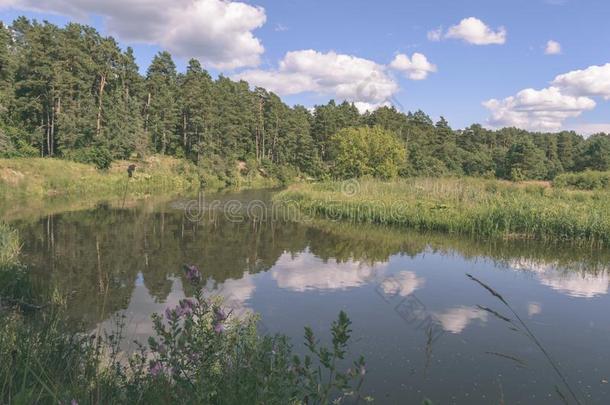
(595, 153)
(161, 108)
(525, 161)
(366, 151)
(195, 100)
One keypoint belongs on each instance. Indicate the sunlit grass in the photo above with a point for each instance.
(477, 207)
(39, 178)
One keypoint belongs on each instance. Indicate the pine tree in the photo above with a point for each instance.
(161, 109)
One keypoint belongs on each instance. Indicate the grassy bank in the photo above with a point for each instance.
(36, 178)
(52, 185)
(481, 208)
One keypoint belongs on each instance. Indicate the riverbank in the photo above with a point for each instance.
(476, 207)
(38, 178)
(45, 182)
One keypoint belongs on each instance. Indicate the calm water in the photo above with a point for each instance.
(425, 328)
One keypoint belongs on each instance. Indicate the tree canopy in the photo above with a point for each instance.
(70, 92)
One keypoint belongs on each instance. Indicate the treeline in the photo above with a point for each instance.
(70, 92)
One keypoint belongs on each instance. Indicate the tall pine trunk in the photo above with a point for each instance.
(98, 125)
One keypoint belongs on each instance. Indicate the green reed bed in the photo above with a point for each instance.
(481, 208)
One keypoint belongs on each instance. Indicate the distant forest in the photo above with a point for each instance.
(70, 92)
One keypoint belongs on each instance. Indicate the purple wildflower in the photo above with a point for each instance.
(186, 306)
(219, 328)
(220, 315)
(169, 313)
(155, 369)
(192, 274)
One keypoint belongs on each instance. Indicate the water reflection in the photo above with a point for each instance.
(402, 283)
(110, 260)
(305, 271)
(533, 308)
(455, 320)
(573, 282)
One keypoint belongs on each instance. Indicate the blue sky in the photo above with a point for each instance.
(483, 50)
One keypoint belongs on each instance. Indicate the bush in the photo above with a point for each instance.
(13, 144)
(99, 156)
(588, 180)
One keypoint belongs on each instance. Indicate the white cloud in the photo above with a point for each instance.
(552, 48)
(305, 272)
(592, 81)
(435, 35)
(543, 110)
(455, 320)
(476, 32)
(403, 283)
(567, 281)
(416, 68)
(533, 308)
(341, 76)
(218, 32)
(591, 128)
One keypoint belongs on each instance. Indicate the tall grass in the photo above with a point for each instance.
(9, 245)
(37, 178)
(481, 208)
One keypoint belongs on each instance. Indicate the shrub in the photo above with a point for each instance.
(588, 180)
(99, 156)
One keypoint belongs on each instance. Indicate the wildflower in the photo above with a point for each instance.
(186, 306)
(220, 315)
(219, 328)
(192, 274)
(194, 357)
(155, 369)
(169, 313)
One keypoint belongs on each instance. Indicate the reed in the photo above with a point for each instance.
(476, 207)
(9, 246)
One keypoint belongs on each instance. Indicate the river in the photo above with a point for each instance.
(426, 329)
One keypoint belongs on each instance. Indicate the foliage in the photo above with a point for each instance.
(99, 156)
(9, 245)
(587, 180)
(198, 353)
(525, 161)
(45, 178)
(365, 151)
(481, 208)
(71, 92)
